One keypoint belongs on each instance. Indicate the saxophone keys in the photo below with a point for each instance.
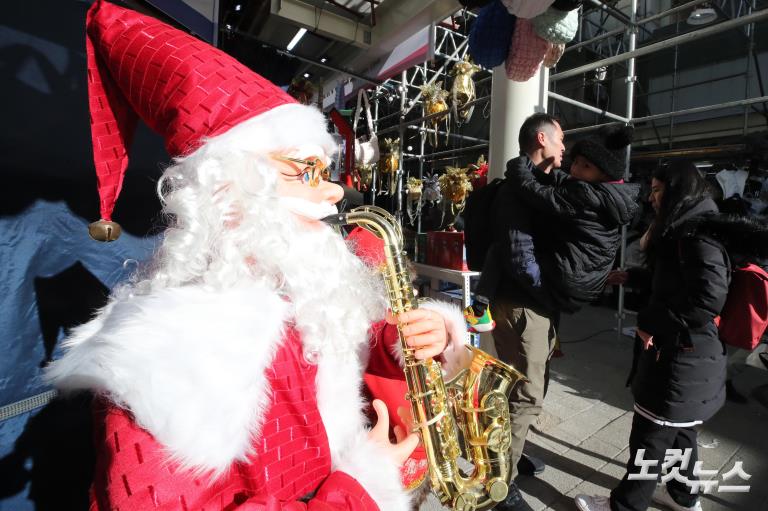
(499, 439)
(465, 502)
(497, 489)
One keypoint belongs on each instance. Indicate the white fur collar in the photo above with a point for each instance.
(188, 365)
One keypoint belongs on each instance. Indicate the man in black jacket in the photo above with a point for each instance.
(556, 244)
(525, 333)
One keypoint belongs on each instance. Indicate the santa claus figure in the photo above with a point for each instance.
(229, 371)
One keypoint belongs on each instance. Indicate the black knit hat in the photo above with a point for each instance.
(607, 149)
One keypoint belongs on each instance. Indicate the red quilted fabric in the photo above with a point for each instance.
(291, 458)
(180, 86)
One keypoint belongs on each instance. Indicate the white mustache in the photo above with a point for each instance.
(308, 209)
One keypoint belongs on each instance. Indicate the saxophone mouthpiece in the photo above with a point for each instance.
(337, 219)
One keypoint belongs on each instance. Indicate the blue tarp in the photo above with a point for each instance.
(43, 248)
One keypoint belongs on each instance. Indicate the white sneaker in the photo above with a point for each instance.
(592, 503)
(661, 496)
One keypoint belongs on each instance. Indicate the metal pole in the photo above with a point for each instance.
(652, 48)
(632, 32)
(699, 109)
(422, 144)
(584, 129)
(399, 173)
(672, 104)
(750, 50)
(667, 12)
(455, 151)
(432, 116)
(453, 135)
(595, 39)
(374, 168)
(617, 31)
(585, 106)
(612, 11)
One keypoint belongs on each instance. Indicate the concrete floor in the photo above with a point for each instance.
(583, 432)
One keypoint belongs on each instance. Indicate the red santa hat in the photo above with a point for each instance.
(184, 89)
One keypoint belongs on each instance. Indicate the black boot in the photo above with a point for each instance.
(530, 466)
(514, 501)
(731, 394)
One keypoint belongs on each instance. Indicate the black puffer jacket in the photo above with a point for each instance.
(681, 378)
(577, 230)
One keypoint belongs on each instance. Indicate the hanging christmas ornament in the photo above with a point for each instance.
(455, 186)
(364, 176)
(463, 90)
(434, 102)
(478, 173)
(414, 198)
(389, 166)
(432, 193)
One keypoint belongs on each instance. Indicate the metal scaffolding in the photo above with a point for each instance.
(394, 100)
(607, 45)
(394, 107)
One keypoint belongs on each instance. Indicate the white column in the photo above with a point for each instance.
(511, 103)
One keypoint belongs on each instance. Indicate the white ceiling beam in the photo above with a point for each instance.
(323, 22)
(397, 20)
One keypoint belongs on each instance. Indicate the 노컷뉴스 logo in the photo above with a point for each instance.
(676, 460)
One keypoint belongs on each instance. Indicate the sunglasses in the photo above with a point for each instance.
(309, 171)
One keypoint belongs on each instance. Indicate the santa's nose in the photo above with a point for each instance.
(329, 192)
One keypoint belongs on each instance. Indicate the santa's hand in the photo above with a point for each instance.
(398, 452)
(424, 330)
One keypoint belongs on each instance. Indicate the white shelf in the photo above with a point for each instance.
(458, 277)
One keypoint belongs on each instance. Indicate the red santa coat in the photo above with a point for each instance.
(242, 424)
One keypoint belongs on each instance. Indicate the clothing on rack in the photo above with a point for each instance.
(732, 182)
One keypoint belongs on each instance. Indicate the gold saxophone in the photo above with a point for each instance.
(465, 417)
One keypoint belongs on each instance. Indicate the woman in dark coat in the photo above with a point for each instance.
(678, 376)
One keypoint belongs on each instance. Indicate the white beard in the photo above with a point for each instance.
(334, 296)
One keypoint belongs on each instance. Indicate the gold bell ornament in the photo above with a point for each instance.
(389, 165)
(435, 102)
(455, 186)
(463, 90)
(104, 230)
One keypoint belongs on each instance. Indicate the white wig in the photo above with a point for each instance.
(226, 224)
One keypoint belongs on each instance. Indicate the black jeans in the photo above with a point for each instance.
(635, 495)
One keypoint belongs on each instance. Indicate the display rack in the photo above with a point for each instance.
(463, 279)
(397, 111)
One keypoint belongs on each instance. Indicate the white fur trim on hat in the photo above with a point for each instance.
(283, 127)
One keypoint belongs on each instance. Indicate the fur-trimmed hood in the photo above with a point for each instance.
(744, 238)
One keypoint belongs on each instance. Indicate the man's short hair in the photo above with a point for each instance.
(531, 127)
